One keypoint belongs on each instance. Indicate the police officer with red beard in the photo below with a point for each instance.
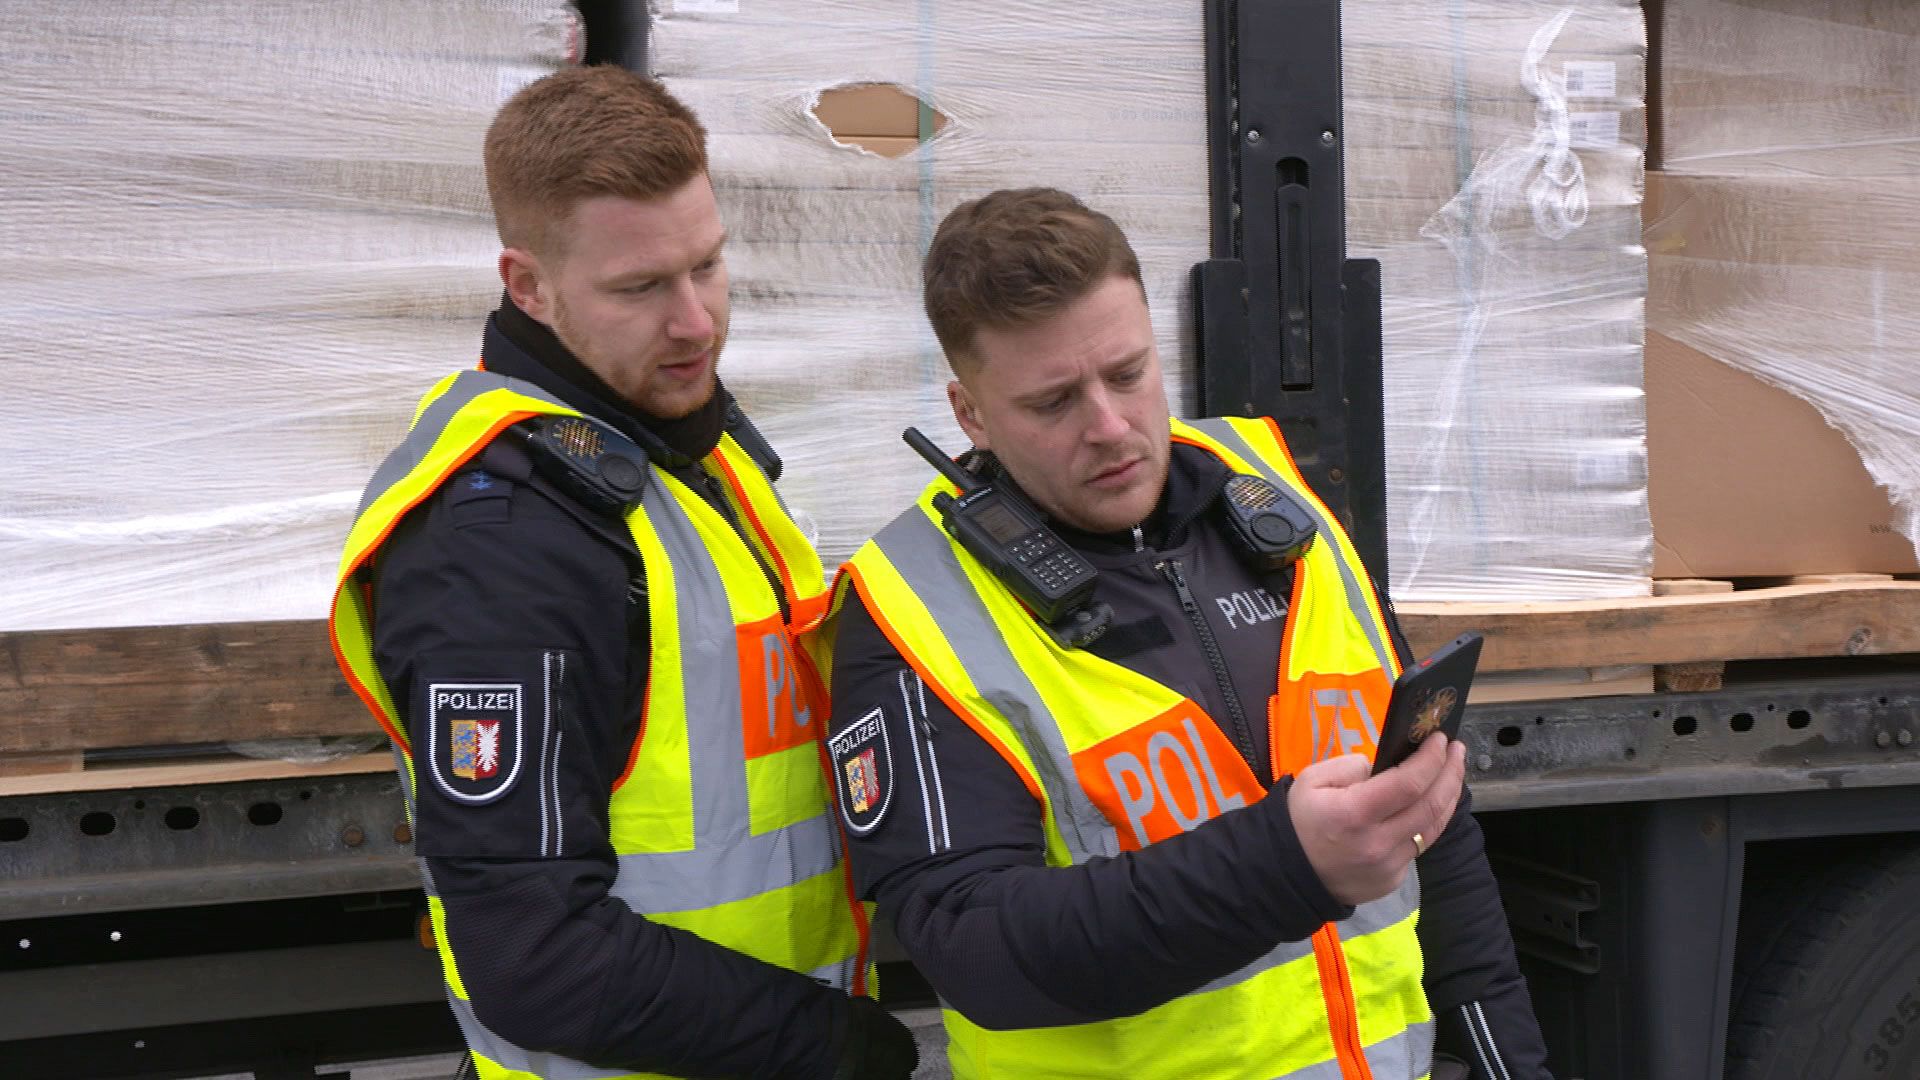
(571, 597)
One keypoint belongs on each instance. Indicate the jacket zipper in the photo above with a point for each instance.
(1242, 734)
(716, 493)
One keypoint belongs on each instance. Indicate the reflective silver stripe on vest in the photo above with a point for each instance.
(484, 1042)
(1384, 912)
(1408, 1054)
(1357, 591)
(710, 875)
(1368, 918)
(406, 787)
(1326, 1070)
(426, 431)
(727, 863)
(837, 975)
(923, 556)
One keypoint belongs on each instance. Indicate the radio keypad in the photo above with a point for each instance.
(1046, 559)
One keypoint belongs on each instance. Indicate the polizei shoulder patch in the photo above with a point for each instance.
(473, 738)
(863, 772)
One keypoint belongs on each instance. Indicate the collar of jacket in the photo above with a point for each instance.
(519, 347)
(1194, 480)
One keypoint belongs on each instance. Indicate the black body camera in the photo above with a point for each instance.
(1269, 526)
(588, 460)
(998, 528)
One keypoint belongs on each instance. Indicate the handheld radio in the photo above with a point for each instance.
(998, 527)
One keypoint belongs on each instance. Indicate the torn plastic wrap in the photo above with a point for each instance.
(1515, 440)
(828, 347)
(1786, 240)
(241, 239)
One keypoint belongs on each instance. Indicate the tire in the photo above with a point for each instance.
(1827, 976)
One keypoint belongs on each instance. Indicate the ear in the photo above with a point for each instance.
(967, 414)
(525, 280)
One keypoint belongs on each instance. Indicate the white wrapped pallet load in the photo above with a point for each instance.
(1495, 171)
(1782, 246)
(246, 235)
(1494, 154)
(242, 238)
(828, 347)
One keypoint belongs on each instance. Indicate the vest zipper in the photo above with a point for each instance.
(1242, 734)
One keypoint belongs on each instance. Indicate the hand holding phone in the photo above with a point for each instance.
(1430, 696)
(1362, 832)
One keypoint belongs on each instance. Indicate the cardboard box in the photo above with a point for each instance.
(1747, 480)
(1788, 87)
(879, 117)
(1791, 289)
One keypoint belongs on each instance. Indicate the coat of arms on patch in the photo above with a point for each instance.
(864, 775)
(476, 749)
(473, 739)
(863, 782)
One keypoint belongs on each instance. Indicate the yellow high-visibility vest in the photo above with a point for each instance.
(731, 722)
(1118, 761)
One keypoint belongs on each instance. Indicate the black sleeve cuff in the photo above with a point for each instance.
(1317, 905)
(1498, 1038)
(553, 964)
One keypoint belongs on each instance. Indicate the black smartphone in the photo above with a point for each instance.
(1430, 696)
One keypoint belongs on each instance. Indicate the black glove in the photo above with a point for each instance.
(877, 1047)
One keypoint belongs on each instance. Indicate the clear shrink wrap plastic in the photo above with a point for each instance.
(1494, 165)
(828, 348)
(1495, 157)
(241, 237)
(1786, 242)
(245, 236)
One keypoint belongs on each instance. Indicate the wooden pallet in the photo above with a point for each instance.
(1779, 622)
(70, 690)
(1493, 688)
(180, 774)
(64, 692)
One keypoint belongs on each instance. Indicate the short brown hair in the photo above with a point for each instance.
(582, 132)
(1015, 257)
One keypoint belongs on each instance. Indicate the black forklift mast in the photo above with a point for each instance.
(1288, 326)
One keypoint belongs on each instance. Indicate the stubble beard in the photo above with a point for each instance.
(563, 330)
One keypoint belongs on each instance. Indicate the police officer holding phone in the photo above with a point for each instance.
(1130, 830)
